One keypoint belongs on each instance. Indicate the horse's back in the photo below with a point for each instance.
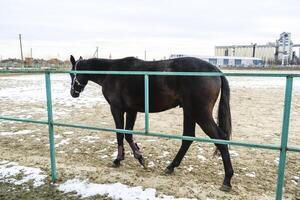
(185, 64)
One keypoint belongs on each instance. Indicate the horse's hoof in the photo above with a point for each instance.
(225, 188)
(169, 171)
(142, 161)
(116, 163)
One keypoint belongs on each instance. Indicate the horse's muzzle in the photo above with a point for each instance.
(74, 94)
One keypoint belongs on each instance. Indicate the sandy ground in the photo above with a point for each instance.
(257, 110)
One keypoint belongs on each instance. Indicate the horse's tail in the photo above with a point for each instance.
(224, 114)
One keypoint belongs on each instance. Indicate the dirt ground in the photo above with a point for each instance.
(256, 116)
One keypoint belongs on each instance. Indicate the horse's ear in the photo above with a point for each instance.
(72, 59)
(80, 58)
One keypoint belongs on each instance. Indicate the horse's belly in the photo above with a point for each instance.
(155, 105)
(162, 108)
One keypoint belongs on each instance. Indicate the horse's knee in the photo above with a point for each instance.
(120, 138)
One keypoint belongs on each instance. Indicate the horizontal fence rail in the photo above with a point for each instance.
(153, 134)
(282, 148)
(163, 73)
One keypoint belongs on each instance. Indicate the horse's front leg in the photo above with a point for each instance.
(118, 116)
(130, 120)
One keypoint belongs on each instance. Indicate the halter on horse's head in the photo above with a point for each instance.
(79, 81)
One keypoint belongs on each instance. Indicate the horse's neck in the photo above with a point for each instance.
(101, 66)
(97, 78)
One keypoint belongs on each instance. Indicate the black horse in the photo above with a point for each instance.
(195, 94)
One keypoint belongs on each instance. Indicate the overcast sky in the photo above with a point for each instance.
(129, 27)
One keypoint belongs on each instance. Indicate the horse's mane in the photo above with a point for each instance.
(96, 63)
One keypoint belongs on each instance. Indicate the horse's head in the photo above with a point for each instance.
(79, 81)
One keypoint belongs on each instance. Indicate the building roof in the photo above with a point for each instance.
(246, 46)
(216, 57)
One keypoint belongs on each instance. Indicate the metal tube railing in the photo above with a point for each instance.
(50, 126)
(283, 148)
(284, 135)
(146, 85)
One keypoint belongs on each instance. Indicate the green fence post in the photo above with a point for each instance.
(284, 136)
(50, 127)
(146, 85)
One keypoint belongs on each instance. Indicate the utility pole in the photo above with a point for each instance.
(254, 49)
(145, 55)
(20, 38)
(31, 52)
(96, 53)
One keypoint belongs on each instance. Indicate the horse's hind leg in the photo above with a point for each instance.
(118, 116)
(130, 120)
(209, 126)
(188, 130)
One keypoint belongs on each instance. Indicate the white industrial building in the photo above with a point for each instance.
(224, 61)
(264, 52)
(279, 52)
(284, 48)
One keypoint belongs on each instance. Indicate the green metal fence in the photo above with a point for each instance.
(283, 147)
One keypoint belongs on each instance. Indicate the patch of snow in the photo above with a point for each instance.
(104, 156)
(9, 170)
(201, 157)
(251, 174)
(190, 168)
(31, 89)
(208, 198)
(6, 133)
(151, 164)
(112, 142)
(233, 153)
(220, 173)
(68, 132)
(295, 182)
(76, 151)
(200, 149)
(114, 154)
(22, 132)
(258, 82)
(115, 191)
(57, 136)
(2, 162)
(165, 153)
(62, 142)
(89, 139)
(151, 140)
(276, 160)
